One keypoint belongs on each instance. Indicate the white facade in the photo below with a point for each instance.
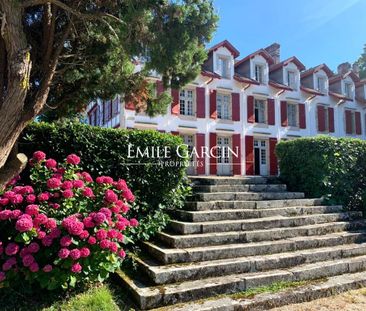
(286, 103)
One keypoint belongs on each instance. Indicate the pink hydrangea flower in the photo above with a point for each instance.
(11, 249)
(31, 198)
(53, 183)
(28, 260)
(33, 247)
(66, 241)
(128, 195)
(67, 184)
(55, 233)
(32, 209)
(5, 214)
(76, 268)
(78, 183)
(16, 199)
(86, 177)
(101, 234)
(16, 213)
(45, 196)
(39, 156)
(73, 225)
(75, 254)
(121, 185)
(84, 235)
(112, 234)
(104, 244)
(24, 224)
(92, 240)
(88, 192)
(47, 241)
(47, 268)
(4, 201)
(99, 218)
(34, 267)
(122, 253)
(51, 223)
(73, 159)
(134, 222)
(84, 252)
(113, 247)
(110, 196)
(68, 194)
(88, 222)
(51, 163)
(7, 265)
(63, 253)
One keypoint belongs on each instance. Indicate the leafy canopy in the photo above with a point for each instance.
(107, 39)
(362, 63)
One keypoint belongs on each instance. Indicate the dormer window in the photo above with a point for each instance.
(291, 79)
(348, 89)
(223, 66)
(321, 84)
(259, 73)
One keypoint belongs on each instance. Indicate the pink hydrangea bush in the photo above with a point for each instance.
(64, 228)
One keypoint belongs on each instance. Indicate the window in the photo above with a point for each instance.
(260, 111)
(259, 73)
(223, 106)
(223, 66)
(186, 99)
(348, 90)
(291, 79)
(189, 141)
(292, 114)
(321, 84)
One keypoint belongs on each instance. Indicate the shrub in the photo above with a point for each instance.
(64, 228)
(334, 167)
(105, 152)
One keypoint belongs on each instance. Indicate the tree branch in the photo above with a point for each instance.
(88, 16)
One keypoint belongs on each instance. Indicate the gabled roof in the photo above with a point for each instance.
(313, 70)
(227, 45)
(339, 96)
(311, 91)
(339, 76)
(279, 85)
(240, 78)
(261, 52)
(284, 63)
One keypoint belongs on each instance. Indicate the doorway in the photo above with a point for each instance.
(260, 157)
(224, 162)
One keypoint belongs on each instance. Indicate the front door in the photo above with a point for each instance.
(260, 157)
(189, 141)
(223, 156)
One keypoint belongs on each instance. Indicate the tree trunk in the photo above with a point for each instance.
(19, 65)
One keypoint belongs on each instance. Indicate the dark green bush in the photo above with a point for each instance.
(333, 167)
(105, 152)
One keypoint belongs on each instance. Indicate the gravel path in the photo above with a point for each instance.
(350, 301)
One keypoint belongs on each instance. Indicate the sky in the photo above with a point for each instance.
(315, 31)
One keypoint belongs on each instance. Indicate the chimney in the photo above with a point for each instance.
(344, 68)
(274, 51)
(356, 69)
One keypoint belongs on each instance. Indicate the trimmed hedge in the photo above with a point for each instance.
(105, 152)
(333, 167)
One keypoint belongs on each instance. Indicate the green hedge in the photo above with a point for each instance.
(326, 166)
(105, 152)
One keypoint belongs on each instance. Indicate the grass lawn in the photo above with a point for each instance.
(106, 297)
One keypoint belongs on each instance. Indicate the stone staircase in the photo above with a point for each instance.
(239, 233)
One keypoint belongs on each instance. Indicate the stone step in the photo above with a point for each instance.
(156, 296)
(229, 214)
(259, 223)
(218, 205)
(194, 271)
(167, 255)
(211, 180)
(218, 238)
(266, 301)
(240, 188)
(246, 196)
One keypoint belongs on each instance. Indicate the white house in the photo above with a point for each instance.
(248, 105)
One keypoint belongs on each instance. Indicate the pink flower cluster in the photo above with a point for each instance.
(70, 221)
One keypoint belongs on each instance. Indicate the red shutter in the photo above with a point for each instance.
(284, 121)
(175, 103)
(235, 99)
(159, 87)
(348, 114)
(213, 110)
(358, 123)
(201, 102)
(321, 119)
(250, 108)
(331, 119)
(237, 150)
(273, 165)
(249, 155)
(271, 111)
(213, 152)
(302, 116)
(200, 143)
(175, 133)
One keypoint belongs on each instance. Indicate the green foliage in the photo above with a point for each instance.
(100, 53)
(322, 165)
(362, 63)
(156, 184)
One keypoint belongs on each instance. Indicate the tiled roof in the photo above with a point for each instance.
(261, 52)
(313, 70)
(227, 45)
(284, 63)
